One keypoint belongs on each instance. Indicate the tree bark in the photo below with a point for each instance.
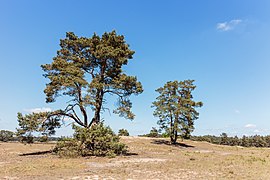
(175, 137)
(99, 100)
(172, 129)
(81, 105)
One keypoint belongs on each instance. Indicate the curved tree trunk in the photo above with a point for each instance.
(99, 100)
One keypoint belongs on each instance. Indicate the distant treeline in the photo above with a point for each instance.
(6, 135)
(223, 139)
(245, 141)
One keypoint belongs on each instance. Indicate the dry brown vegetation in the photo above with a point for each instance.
(148, 159)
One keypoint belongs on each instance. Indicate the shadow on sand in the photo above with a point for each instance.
(130, 154)
(47, 152)
(36, 153)
(177, 144)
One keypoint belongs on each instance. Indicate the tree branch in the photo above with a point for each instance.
(115, 93)
(62, 113)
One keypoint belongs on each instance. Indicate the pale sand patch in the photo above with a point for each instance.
(121, 162)
(211, 151)
(3, 163)
(92, 177)
(204, 151)
(142, 160)
(10, 178)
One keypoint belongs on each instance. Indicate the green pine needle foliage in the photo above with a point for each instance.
(123, 132)
(176, 109)
(99, 140)
(6, 135)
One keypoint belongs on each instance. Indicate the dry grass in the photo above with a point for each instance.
(149, 159)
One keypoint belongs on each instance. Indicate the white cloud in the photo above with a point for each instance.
(227, 26)
(250, 126)
(237, 111)
(256, 131)
(236, 21)
(223, 26)
(38, 110)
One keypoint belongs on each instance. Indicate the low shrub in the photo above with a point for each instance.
(99, 140)
(153, 133)
(6, 135)
(43, 138)
(29, 139)
(123, 132)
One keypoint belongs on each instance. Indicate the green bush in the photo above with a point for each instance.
(153, 133)
(6, 135)
(29, 139)
(98, 140)
(123, 132)
(165, 135)
(43, 138)
(68, 147)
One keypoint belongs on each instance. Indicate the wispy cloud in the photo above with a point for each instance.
(38, 110)
(250, 126)
(256, 131)
(228, 25)
(237, 111)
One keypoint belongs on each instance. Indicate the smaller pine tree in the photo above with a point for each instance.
(123, 132)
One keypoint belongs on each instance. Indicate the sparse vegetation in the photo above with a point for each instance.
(196, 160)
(123, 132)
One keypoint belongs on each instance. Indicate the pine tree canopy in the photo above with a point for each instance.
(87, 70)
(175, 108)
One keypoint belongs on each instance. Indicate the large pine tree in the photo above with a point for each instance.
(86, 70)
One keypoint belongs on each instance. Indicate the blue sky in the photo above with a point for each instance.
(223, 45)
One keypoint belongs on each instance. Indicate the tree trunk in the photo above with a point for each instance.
(80, 101)
(84, 116)
(99, 95)
(172, 140)
(99, 100)
(172, 129)
(175, 137)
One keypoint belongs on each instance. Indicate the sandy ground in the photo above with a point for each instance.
(148, 159)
